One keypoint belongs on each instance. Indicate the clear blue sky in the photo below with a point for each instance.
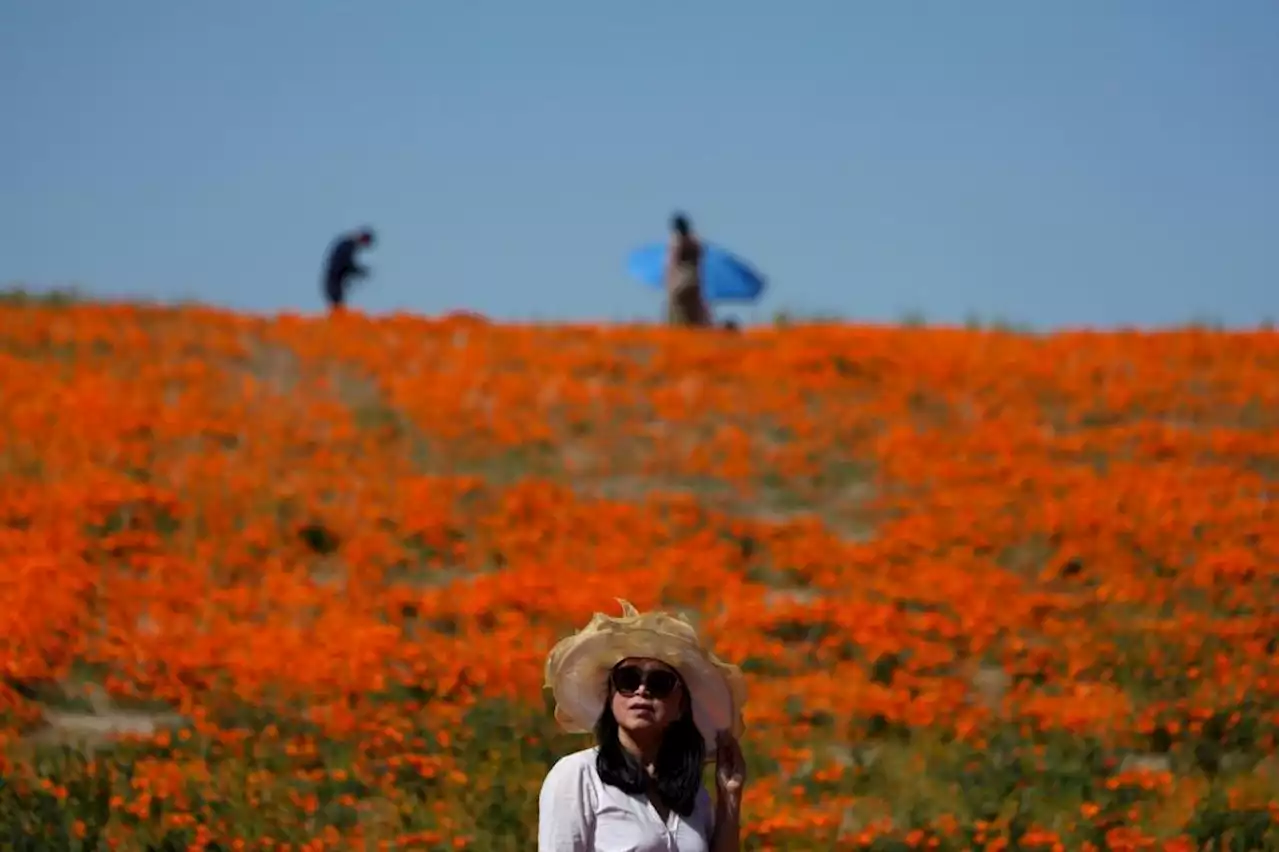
(1087, 162)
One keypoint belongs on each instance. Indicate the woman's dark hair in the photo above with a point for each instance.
(677, 770)
(680, 224)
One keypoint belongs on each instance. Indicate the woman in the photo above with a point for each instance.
(685, 304)
(660, 705)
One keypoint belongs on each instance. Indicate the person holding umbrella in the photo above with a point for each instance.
(341, 266)
(693, 274)
(685, 303)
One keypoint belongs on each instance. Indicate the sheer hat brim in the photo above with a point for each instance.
(578, 670)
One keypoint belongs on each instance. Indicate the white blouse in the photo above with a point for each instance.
(578, 812)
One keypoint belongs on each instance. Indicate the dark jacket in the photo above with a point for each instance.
(342, 264)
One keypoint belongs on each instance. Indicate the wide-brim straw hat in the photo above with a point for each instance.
(578, 670)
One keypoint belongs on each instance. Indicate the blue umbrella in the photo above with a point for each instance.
(725, 278)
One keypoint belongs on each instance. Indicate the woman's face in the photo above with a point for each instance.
(647, 695)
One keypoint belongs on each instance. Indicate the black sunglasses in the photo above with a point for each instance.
(656, 682)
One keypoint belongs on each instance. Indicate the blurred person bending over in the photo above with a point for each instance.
(341, 268)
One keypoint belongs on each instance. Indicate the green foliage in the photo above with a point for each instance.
(58, 297)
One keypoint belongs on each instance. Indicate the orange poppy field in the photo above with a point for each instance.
(290, 582)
